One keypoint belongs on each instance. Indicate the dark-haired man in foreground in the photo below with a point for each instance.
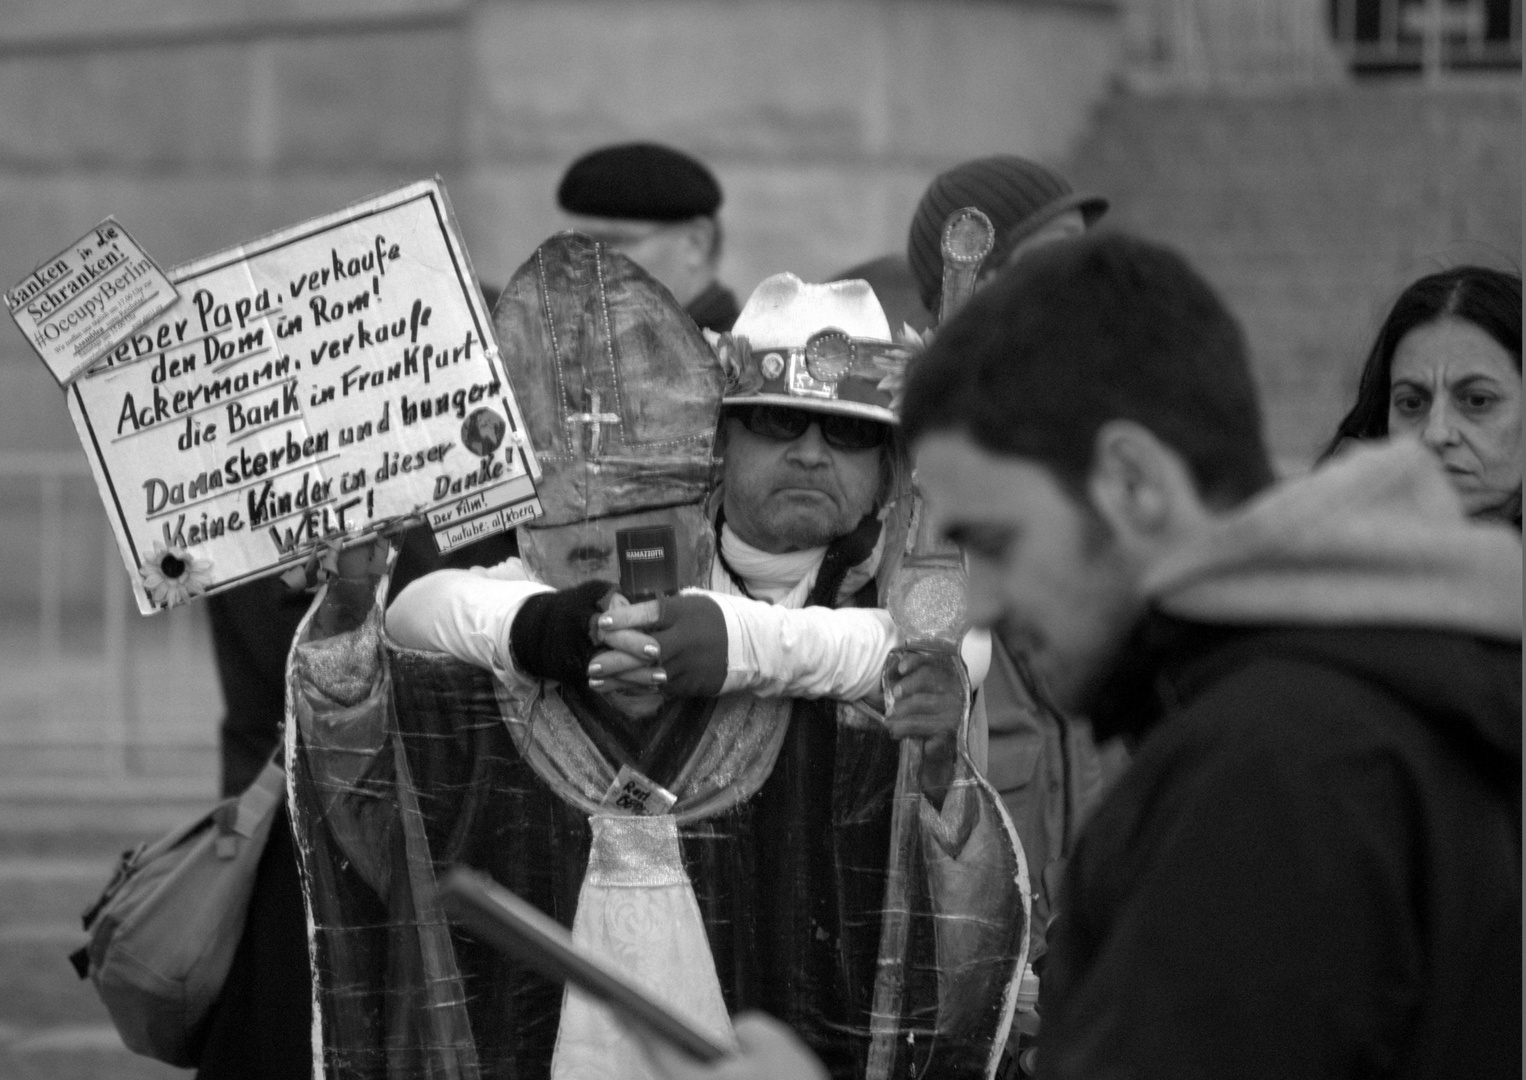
(1313, 866)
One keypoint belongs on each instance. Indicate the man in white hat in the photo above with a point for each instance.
(814, 477)
(702, 786)
(813, 470)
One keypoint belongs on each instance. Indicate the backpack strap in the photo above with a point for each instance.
(260, 799)
(239, 819)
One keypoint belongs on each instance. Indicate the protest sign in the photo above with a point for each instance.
(311, 387)
(79, 304)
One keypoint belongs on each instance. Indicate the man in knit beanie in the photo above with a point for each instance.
(1045, 764)
(1028, 204)
(657, 206)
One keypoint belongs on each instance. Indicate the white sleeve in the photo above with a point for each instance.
(976, 651)
(466, 613)
(818, 652)
(812, 652)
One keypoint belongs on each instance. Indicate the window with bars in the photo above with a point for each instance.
(1430, 36)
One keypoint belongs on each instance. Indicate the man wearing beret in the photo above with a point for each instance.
(657, 206)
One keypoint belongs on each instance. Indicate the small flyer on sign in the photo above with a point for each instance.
(309, 388)
(82, 302)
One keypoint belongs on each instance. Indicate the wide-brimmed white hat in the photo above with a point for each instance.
(826, 348)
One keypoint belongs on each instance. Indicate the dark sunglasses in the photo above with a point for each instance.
(787, 425)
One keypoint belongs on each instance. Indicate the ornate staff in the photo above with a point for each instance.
(968, 237)
(926, 599)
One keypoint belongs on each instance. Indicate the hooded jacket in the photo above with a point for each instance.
(1313, 866)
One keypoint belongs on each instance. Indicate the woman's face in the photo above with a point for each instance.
(1459, 391)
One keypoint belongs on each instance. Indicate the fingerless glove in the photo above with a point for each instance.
(691, 632)
(551, 636)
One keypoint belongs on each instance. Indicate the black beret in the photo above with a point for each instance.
(643, 181)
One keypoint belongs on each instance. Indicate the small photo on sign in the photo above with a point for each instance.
(483, 431)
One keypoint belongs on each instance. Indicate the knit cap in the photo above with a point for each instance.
(1019, 196)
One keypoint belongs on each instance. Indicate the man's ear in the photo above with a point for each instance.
(699, 242)
(1141, 486)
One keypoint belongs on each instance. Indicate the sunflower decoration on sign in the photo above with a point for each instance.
(739, 365)
(172, 575)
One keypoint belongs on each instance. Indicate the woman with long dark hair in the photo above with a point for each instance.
(1446, 367)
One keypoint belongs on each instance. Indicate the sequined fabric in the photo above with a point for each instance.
(341, 670)
(635, 852)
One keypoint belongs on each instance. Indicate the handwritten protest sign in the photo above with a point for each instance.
(317, 384)
(79, 304)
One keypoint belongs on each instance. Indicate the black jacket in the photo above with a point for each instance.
(1312, 869)
(715, 308)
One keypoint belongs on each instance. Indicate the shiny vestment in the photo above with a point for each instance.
(408, 763)
(259, 1025)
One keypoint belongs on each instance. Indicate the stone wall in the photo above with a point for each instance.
(824, 120)
(1311, 209)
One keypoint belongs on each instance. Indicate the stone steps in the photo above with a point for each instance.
(79, 784)
(51, 1023)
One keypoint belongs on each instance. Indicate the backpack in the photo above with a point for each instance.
(163, 933)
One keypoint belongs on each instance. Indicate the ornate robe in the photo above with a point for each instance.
(405, 763)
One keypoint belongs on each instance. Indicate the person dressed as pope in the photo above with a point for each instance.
(665, 724)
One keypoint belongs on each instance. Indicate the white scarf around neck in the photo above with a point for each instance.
(784, 579)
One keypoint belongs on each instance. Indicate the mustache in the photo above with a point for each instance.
(803, 479)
